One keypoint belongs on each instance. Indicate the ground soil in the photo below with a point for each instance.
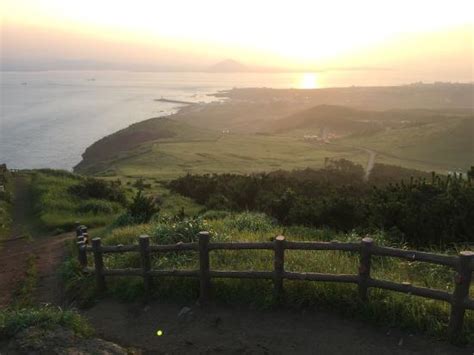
(230, 330)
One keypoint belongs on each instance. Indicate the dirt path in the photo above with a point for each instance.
(370, 163)
(24, 243)
(227, 330)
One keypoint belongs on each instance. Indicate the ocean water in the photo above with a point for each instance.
(49, 118)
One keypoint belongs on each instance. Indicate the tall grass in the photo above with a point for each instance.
(58, 209)
(13, 321)
(385, 307)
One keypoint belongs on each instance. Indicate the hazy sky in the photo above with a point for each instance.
(295, 34)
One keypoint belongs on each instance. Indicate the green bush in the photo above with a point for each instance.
(186, 230)
(421, 211)
(98, 189)
(142, 208)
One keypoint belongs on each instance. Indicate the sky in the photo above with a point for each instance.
(292, 34)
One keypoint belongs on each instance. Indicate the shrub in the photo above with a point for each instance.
(98, 189)
(186, 230)
(142, 208)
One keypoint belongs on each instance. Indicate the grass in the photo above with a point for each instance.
(387, 308)
(440, 145)
(25, 291)
(232, 153)
(58, 210)
(13, 321)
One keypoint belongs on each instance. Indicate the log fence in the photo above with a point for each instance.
(463, 264)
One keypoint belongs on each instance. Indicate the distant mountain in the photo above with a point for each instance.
(228, 66)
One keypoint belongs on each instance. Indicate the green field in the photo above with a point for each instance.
(231, 154)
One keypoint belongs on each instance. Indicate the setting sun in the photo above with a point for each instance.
(308, 81)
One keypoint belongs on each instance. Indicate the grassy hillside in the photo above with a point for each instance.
(263, 130)
(339, 120)
(188, 149)
(424, 139)
(446, 144)
(61, 198)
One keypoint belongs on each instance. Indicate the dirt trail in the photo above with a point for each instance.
(227, 330)
(24, 243)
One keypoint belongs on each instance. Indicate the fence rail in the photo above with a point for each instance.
(463, 264)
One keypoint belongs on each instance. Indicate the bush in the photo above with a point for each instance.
(142, 208)
(98, 189)
(423, 213)
(186, 230)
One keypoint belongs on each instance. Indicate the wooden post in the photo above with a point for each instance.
(204, 277)
(364, 267)
(144, 241)
(82, 255)
(461, 292)
(279, 268)
(99, 265)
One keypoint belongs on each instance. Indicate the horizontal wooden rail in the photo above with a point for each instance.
(313, 276)
(119, 248)
(322, 246)
(459, 299)
(242, 274)
(410, 289)
(241, 246)
(412, 255)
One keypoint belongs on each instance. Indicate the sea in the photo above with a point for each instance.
(49, 118)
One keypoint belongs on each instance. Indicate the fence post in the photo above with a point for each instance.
(279, 268)
(204, 278)
(461, 292)
(144, 241)
(364, 267)
(78, 231)
(99, 264)
(82, 254)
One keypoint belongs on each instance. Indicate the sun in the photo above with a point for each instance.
(308, 81)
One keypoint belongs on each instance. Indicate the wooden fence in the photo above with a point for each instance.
(463, 264)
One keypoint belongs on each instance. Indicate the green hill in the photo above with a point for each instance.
(336, 119)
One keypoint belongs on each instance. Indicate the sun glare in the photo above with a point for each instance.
(308, 81)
